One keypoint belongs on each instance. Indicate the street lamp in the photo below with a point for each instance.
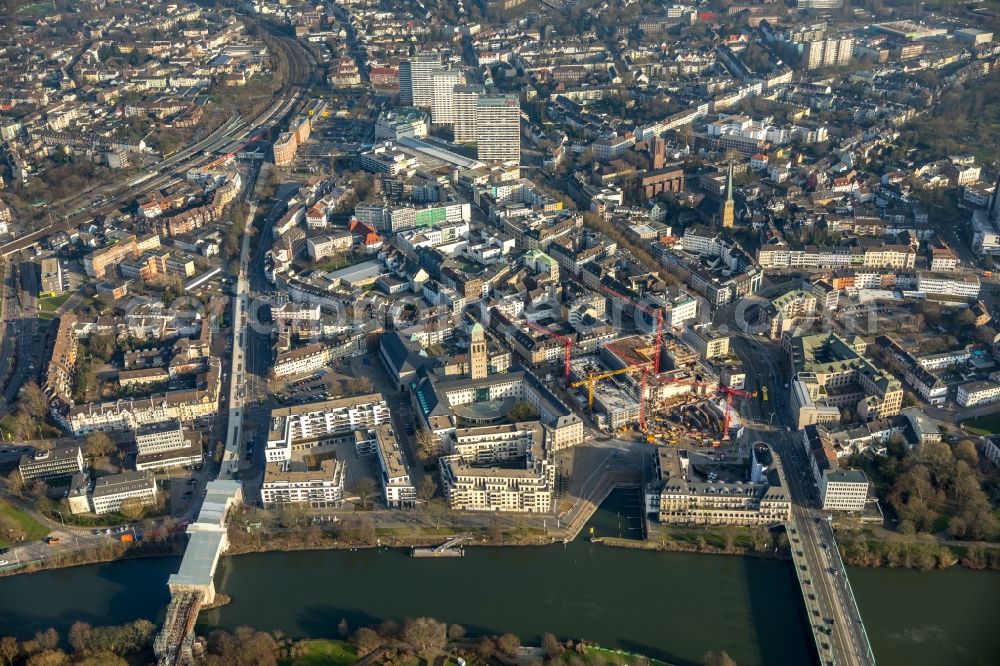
(61, 518)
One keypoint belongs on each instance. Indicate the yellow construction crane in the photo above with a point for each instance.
(593, 378)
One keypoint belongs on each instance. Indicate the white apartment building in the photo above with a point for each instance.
(296, 312)
(498, 128)
(971, 394)
(470, 488)
(397, 487)
(827, 53)
(304, 426)
(948, 284)
(844, 490)
(489, 444)
(305, 359)
(416, 79)
(290, 483)
(443, 83)
(465, 99)
(111, 491)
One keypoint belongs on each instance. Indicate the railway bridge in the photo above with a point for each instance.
(194, 583)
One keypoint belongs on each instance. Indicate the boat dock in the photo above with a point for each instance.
(447, 549)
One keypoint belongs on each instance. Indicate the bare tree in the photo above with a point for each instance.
(426, 489)
(366, 489)
(132, 508)
(98, 445)
(33, 400)
(427, 636)
(367, 641)
(428, 446)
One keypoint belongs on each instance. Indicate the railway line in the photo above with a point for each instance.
(235, 131)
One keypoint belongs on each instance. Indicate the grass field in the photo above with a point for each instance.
(983, 425)
(324, 652)
(34, 529)
(36, 8)
(52, 303)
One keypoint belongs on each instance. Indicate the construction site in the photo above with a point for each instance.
(622, 389)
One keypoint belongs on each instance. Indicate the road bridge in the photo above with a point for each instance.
(194, 583)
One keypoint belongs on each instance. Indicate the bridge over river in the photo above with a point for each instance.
(194, 584)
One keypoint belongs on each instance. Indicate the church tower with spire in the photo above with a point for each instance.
(728, 205)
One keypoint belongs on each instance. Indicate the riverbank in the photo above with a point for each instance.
(111, 551)
(612, 596)
(856, 550)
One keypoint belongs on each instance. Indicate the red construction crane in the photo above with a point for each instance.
(658, 315)
(729, 393)
(567, 342)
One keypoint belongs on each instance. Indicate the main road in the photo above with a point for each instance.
(834, 618)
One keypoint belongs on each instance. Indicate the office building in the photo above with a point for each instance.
(110, 492)
(844, 490)
(59, 462)
(157, 437)
(684, 491)
(465, 99)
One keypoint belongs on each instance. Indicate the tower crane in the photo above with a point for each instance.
(729, 393)
(658, 316)
(569, 343)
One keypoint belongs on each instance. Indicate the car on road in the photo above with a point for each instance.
(95, 532)
(833, 571)
(824, 546)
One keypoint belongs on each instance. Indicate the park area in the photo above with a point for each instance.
(17, 525)
(983, 425)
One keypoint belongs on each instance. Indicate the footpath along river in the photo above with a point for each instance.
(673, 606)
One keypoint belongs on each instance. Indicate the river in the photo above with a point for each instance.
(674, 606)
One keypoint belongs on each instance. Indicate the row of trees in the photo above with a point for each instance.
(90, 646)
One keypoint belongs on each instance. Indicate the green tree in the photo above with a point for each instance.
(10, 650)
(551, 646)
(509, 644)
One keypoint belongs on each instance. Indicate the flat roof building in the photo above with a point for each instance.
(110, 492)
(59, 462)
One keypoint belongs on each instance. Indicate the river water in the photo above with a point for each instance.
(674, 606)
